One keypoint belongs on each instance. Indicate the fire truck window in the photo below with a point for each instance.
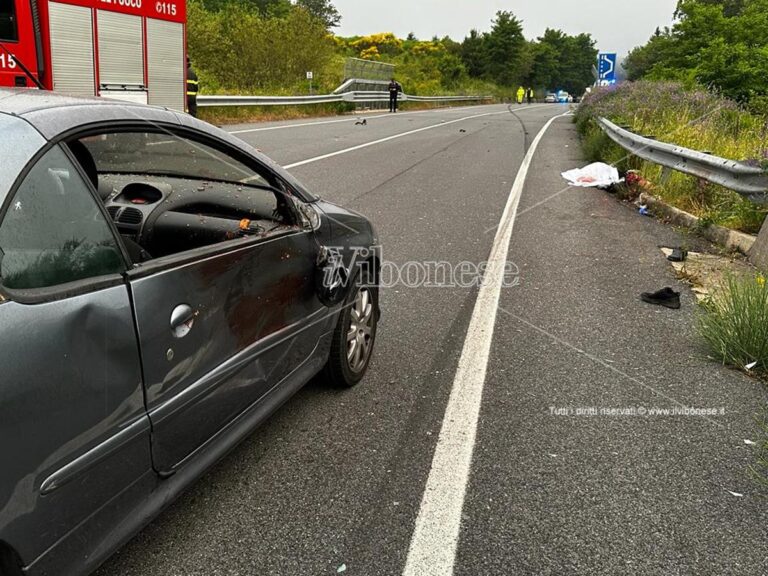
(8, 29)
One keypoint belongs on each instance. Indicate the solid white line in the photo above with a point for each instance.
(389, 138)
(435, 538)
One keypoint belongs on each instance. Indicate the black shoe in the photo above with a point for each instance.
(678, 255)
(664, 297)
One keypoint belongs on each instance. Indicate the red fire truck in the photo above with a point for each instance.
(126, 49)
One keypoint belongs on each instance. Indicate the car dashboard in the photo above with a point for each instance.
(166, 215)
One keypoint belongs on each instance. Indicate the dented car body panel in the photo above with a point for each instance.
(119, 389)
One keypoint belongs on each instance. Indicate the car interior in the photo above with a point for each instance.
(167, 194)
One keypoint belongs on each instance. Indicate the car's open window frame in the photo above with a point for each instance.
(278, 183)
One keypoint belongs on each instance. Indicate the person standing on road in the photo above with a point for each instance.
(529, 94)
(520, 95)
(394, 90)
(193, 86)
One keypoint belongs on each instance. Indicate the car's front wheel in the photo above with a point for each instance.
(354, 336)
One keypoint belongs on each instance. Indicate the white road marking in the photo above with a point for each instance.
(435, 538)
(361, 116)
(394, 137)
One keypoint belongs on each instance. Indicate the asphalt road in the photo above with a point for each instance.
(334, 482)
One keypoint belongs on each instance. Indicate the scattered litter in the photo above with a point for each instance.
(342, 568)
(552, 455)
(598, 175)
(749, 443)
(462, 130)
(665, 297)
(678, 255)
(735, 494)
(396, 503)
(363, 122)
(750, 366)
(643, 211)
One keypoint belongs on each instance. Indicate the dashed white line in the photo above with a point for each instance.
(435, 538)
(389, 139)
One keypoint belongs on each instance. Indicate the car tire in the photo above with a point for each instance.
(354, 336)
(10, 564)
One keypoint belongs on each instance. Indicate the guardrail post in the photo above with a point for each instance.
(758, 255)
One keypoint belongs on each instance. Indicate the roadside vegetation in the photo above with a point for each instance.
(722, 44)
(692, 117)
(734, 324)
(267, 46)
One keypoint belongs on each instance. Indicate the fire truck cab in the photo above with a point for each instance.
(131, 50)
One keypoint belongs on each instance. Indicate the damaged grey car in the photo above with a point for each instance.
(164, 288)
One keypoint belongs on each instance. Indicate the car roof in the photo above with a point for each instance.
(53, 114)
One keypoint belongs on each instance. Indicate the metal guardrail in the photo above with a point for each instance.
(749, 181)
(362, 96)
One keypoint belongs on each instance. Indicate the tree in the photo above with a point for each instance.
(505, 48)
(323, 10)
(545, 66)
(473, 54)
(722, 44)
(560, 61)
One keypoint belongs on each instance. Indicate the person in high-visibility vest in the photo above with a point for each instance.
(520, 95)
(193, 87)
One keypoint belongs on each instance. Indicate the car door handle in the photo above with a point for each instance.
(182, 320)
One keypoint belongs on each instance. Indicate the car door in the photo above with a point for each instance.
(220, 325)
(74, 433)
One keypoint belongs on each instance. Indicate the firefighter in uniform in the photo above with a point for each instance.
(193, 86)
(394, 91)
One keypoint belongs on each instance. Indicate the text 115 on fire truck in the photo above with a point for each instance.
(125, 49)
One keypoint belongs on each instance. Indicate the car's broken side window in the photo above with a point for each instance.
(168, 194)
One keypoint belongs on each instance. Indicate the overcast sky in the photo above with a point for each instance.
(618, 25)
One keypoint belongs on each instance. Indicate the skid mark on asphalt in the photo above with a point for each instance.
(415, 165)
(436, 534)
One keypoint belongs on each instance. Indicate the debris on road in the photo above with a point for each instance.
(706, 273)
(342, 568)
(750, 366)
(665, 297)
(643, 211)
(363, 122)
(598, 174)
(678, 255)
(735, 494)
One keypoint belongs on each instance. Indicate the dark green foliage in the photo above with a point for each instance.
(722, 44)
(323, 10)
(506, 60)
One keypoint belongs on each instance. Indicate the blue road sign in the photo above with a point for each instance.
(606, 69)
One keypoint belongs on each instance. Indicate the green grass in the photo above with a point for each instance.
(734, 324)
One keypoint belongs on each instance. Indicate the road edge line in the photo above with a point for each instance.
(435, 539)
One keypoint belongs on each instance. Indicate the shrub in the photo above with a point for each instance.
(734, 323)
